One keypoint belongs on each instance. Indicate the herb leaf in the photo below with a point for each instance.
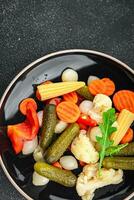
(109, 118)
(114, 149)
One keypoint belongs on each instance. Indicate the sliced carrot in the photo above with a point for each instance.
(24, 103)
(72, 96)
(128, 137)
(68, 111)
(97, 87)
(57, 164)
(109, 86)
(124, 99)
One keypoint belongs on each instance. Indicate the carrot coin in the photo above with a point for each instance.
(72, 96)
(97, 87)
(68, 111)
(109, 86)
(124, 99)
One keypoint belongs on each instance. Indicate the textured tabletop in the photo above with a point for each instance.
(30, 29)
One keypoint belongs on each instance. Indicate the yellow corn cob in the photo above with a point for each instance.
(49, 91)
(124, 120)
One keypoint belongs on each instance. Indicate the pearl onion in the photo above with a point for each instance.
(69, 75)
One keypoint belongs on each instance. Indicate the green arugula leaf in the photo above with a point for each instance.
(109, 118)
(114, 149)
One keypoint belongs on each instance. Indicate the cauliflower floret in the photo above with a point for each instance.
(89, 180)
(102, 103)
(83, 149)
(97, 116)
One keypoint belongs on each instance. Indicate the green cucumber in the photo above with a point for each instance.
(56, 150)
(84, 91)
(48, 127)
(63, 177)
(125, 163)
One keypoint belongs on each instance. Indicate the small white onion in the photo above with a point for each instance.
(92, 78)
(39, 180)
(85, 106)
(30, 146)
(38, 154)
(95, 131)
(40, 117)
(60, 126)
(69, 75)
(68, 162)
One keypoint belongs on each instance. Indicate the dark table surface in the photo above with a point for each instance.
(30, 29)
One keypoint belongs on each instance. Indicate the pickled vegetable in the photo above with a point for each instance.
(83, 91)
(56, 150)
(48, 127)
(125, 163)
(63, 177)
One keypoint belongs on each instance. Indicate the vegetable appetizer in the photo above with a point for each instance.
(82, 125)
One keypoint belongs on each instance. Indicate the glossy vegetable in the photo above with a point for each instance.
(24, 103)
(125, 163)
(85, 106)
(39, 180)
(56, 150)
(49, 91)
(103, 86)
(72, 96)
(48, 127)
(86, 120)
(68, 111)
(126, 151)
(40, 117)
(91, 78)
(128, 137)
(68, 162)
(94, 132)
(69, 75)
(60, 126)
(30, 146)
(124, 121)
(63, 177)
(124, 99)
(26, 130)
(84, 92)
(57, 164)
(38, 154)
(106, 128)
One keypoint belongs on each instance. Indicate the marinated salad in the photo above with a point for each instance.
(86, 125)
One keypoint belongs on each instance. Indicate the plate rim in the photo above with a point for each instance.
(49, 55)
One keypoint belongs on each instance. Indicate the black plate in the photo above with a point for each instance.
(19, 168)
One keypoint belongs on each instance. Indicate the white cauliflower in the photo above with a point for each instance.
(89, 180)
(83, 149)
(102, 103)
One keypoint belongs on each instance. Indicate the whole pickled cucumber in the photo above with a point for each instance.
(85, 93)
(125, 163)
(48, 127)
(126, 151)
(63, 177)
(56, 150)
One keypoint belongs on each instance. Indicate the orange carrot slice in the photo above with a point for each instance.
(124, 99)
(109, 86)
(128, 137)
(72, 96)
(97, 87)
(68, 111)
(24, 103)
(57, 164)
(82, 164)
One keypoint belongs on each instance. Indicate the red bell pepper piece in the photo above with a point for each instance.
(86, 120)
(26, 130)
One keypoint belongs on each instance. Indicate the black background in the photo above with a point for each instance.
(30, 29)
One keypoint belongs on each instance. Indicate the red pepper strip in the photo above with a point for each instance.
(26, 130)
(86, 120)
